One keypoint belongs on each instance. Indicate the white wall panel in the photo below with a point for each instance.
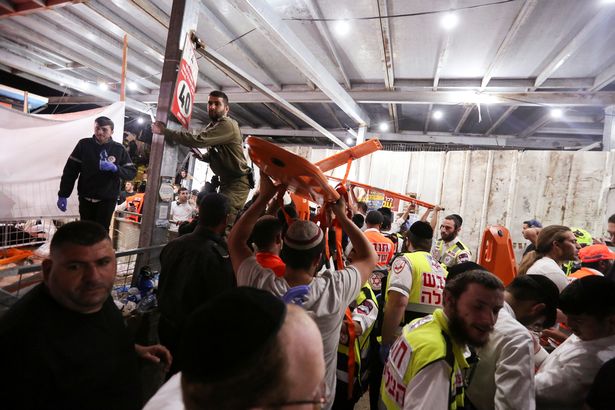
(500, 187)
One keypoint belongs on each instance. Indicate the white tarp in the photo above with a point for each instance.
(34, 151)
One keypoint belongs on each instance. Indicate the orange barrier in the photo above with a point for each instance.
(496, 253)
(298, 174)
(12, 255)
(350, 154)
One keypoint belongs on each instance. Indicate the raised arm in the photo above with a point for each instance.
(365, 258)
(238, 248)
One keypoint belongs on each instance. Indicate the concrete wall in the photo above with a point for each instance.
(497, 187)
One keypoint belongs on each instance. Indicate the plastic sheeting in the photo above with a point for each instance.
(34, 151)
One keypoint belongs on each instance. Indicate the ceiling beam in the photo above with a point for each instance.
(270, 96)
(571, 131)
(219, 25)
(561, 99)
(538, 124)
(603, 79)
(502, 141)
(387, 58)
(495, 84)
(463, 119)
(247, 114)
(427, 119)
(572, 46)
(500, 120)
(325, 33)
(590, 147)
(60, 77)
(285, 39)
(283, 117)
(442, 57)
(522, 17)
(7, 5)
(75, 49)
(331, 112)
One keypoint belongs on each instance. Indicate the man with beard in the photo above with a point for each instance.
(225, 156)
(449, 250)
(426, 366)
(504, 376)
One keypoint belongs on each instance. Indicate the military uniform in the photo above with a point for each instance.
(224, 155)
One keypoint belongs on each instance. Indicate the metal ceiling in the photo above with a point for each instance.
(494, 78)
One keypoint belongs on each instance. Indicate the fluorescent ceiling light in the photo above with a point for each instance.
(557, 113)
(449, 21)
(349, 141)
(342, 27)
(140, 120)
(437, 115)
(132, 85)
(103, 86)
(383, 127)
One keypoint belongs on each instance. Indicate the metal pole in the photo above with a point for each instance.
(124, 65)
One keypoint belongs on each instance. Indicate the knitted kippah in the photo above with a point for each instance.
(303, 235)
(228, 332)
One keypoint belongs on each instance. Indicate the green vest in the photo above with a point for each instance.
(423, 342)
(428, 280)
(361, 345)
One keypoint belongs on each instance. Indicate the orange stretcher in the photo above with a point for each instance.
(496, 253)
(349, 155)
(12, 255)
(298, 174)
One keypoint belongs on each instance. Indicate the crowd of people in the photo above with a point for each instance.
(277, 313)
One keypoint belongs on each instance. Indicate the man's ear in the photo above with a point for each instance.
(537, 309)
(449, 299)
(278, 239)
(47, 263)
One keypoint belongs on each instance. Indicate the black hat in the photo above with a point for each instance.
(229, 332)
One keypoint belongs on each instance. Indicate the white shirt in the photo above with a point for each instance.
(546, 266)
(504, 375)
(179, 213)
(564, 378)
(168, 397)
(329, 295)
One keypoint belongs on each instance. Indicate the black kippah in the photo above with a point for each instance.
(227, 333)
(421, 230)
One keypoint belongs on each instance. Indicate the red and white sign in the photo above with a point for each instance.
(185, 86)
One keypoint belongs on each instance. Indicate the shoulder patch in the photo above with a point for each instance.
(460, 245)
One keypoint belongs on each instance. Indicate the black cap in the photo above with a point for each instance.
(229, 332)
(463, 267)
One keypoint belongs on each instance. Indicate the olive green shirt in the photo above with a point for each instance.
(225, 147)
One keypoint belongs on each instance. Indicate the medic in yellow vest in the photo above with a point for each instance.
(428, 366)
(415, 283)
(449, 250)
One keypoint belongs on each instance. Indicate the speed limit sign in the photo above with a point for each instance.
(185, 86)
(184, 98)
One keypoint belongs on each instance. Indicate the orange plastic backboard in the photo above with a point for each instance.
(298, 174)
(342, 158)
(496, 253)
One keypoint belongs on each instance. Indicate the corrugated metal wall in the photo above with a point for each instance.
(497, 187)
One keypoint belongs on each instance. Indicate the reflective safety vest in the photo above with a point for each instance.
(354, 365)
(428, 280)
(134, 203)
(423, 342)
(457, 253)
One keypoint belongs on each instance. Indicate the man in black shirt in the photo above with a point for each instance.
(64, 344)
(99, 163)
(194, 268)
